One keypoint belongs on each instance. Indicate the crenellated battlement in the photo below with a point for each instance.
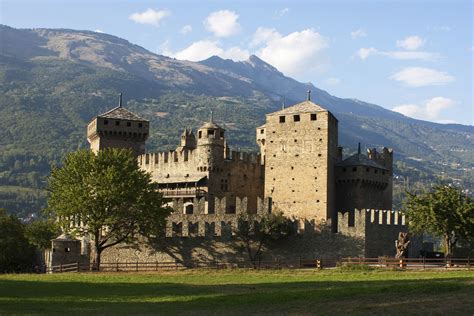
(193, 219)
(172, 156)
(356, 222)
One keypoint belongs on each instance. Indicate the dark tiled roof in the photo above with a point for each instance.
(360, 160)
(303, 107)
(121, 114)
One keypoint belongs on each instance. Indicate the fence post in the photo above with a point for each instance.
(469, 263)
(156, 265)
(78, 267)
(423, 263)
(300, 262)
(318, 264)
(61, 268)
(136, 266)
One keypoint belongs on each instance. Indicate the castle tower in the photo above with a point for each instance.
(118, 128)
(300, 147)
(211, 145)
(364, 181)
(187, 140)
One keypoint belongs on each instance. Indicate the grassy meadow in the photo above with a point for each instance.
(231, 292)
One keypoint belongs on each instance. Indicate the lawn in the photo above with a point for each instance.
(207, 292)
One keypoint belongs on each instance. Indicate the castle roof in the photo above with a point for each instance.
(360, 160)
(65, 236)
(121, 113)
(211, 123)
(302, 107)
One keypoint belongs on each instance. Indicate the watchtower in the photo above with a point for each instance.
(118, 128)
(211, 145)
(300, 148)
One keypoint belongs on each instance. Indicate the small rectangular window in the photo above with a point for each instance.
(262, 131)
(313, 117)
(200, 134)
(296, 118)
(117, 123)
(282, 119)
(210, 132)
(106, 122)
(129, 124)
(140, 125)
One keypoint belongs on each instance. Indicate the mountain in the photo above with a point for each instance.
(53, 81)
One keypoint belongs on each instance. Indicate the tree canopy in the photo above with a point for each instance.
(254, 231)
(444, 212)
(16, 254)
(107, 196)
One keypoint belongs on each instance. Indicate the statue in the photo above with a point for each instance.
(401, 244)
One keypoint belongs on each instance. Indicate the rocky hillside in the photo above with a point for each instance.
(52, 82)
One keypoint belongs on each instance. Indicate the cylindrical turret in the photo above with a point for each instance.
(211, 145)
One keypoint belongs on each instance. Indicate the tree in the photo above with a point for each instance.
(109, 195)
(16, 254)
(255, 231)
(40, 232)
(445, 212)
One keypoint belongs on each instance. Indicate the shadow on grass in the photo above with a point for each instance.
(20, 296)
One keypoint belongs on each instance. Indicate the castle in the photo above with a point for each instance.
(299, 170)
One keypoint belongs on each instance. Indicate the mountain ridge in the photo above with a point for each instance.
(61, 78)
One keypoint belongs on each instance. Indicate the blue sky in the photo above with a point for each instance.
(415, 57)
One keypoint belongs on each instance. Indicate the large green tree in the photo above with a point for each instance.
(107, 196)
(445, 212)
(16, 254)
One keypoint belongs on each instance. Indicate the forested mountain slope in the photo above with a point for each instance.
(52, 82)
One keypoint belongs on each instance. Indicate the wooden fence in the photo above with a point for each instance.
(411, 263)
(299, 263)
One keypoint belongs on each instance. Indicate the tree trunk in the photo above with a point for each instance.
(448, 245)
(98, 251)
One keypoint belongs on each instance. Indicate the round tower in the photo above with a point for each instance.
(211, 145)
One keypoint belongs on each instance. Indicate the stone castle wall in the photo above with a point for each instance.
(379, 229)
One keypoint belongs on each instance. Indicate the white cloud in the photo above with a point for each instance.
(420, 77)
(364, 53)
(430, 110)
(358, 33)
(150, 16)
(411, 42)
(333, 81)
(222, 23)
(98, 31)
(186, 29)
(201, 50)
(264, 35)
(279, 13)
(294, 54)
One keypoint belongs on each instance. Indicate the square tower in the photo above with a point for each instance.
(300, 154)
(118, 128)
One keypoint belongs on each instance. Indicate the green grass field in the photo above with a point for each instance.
(206, 292)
